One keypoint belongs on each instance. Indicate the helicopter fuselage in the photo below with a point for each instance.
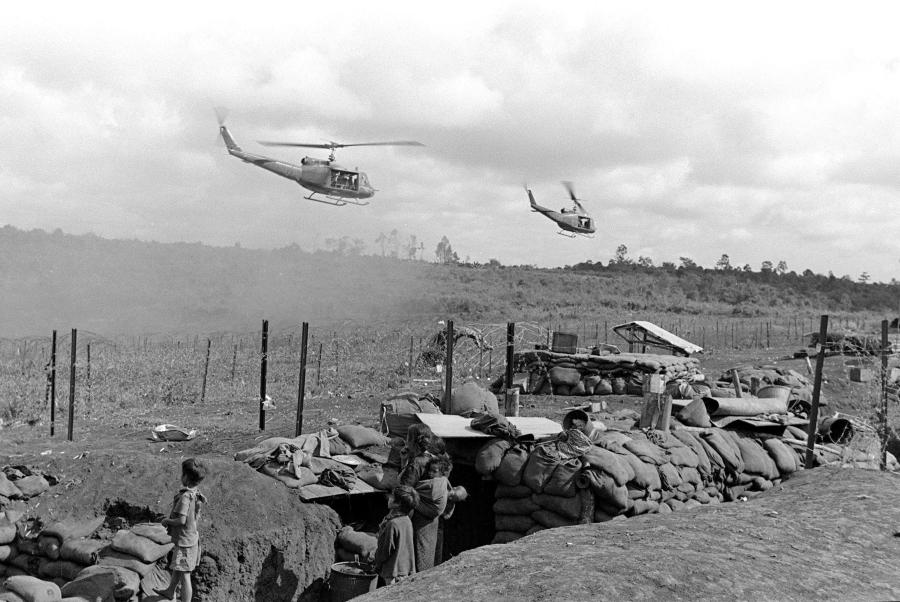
(318, 175)
(572, 220)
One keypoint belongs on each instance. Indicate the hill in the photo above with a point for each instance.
(56, 280)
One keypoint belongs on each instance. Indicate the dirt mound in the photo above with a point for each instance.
(825, 534)
(260, 542)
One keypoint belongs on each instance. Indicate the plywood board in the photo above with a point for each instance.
(450, 427)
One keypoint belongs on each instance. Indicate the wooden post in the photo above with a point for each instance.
(883, 413)
(666, 415)
(736, 381)
(319, 365)
(72, 382)
(233, 360)
(336, 366)
(448, 368)
(510, 352)
(768, 334)
(301, 385)
(410, 358)
(262, 374)
(817, 391)
(205, 372)
(53, 385)
(87, 378)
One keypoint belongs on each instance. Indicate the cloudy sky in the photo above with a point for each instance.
(765, 130)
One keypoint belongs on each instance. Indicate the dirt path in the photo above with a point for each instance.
(826, 534)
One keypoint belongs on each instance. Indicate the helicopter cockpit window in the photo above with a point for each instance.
(364, 179)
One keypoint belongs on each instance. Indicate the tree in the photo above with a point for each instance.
(444, 252)
(394, 242)
(864, 277)
(381, 239)
(747, 268)
(781, 268)
(645, 262)
(724, 263)
(412, 245)
(766, 267)
(621, 257)
(687, 263)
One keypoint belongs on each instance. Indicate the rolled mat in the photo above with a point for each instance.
(744, 406)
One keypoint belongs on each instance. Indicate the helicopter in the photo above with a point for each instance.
(572, 222)
(336, 185)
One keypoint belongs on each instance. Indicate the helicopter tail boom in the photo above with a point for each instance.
(534, 205)
(230, 144)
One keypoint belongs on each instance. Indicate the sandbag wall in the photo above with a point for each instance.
(752, 378)
(65, 559)
(544, 485)
(581, 374)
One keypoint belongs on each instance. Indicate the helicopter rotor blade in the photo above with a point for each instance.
(571, 189)
(299, 144)
(334, 145)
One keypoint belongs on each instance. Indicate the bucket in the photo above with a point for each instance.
(836, 430)
(774, 392)
(349, 580)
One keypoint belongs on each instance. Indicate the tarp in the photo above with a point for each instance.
(449, 426)
(647, 333)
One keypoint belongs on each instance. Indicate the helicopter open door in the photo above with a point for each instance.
(343, 179)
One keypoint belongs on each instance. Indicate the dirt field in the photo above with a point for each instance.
(264, 544)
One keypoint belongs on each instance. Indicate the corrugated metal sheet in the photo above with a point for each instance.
(657, 336)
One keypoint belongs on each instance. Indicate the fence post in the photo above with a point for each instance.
(205, 372)
(87, 378)
(510, 350)
(53, 385)
(410, 358)
(72, 383)
(262, 375)
(817, 390)
(319, 365)
(448, 365)
(301, 385)
(233, 361)
(883, 412)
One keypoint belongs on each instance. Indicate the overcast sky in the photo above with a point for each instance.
(767, 131)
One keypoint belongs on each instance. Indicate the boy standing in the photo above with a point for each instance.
(182, 526)
(395, 557)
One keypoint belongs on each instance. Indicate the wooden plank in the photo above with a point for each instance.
(320, 492)
(450, 426)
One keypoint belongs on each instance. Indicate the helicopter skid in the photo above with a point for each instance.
(574, 234)
(334, 200)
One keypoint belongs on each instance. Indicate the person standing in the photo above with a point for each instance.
(395, 557)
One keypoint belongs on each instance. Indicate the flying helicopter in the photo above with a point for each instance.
(572, 222)
(335, 184)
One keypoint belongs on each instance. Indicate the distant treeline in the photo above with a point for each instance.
(56, 280)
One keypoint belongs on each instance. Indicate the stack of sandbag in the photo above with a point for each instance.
(132, 555)
(56, 553)
(581, 374)
(398, 412)
(626, 474)
(22, 483)
(25, 588)
(352, 545)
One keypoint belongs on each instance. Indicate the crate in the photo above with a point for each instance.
(862, 375)
(653, 383)
(564, 342)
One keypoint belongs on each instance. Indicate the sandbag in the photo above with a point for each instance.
(613, 464)
(139, 547)
(608, 494)
(99, 581)
(537, 527)
(669, 476)
(8, 489)
(66, 569)
(568, 507)
(470, 396)
(7, 531)
(560, 375)
(358, 435)
(358, 542)
(296, 478)
(618, 385)
(83, 551)
(32, 589)
(683, 456)
(645, 475)
(552, 520)
(522, 506)
(723, 447)
(49, 546)
(643, 507)
(73, 528)
(756, 460)
(646, 451)
(513, 522)
(715, 460)
(158, 578)
(506, 536)
(689, 474)
(27, 562)
(512, 466)
(506, 491)
(379, 476)
(152, 531)
(7, 552)
(703, 463)
(601, 516)
(539, 468)
(110, 557)
(694, 414)
(488, 458)
(604, 387)
(785, 459)
(562, 481)
(32, 486)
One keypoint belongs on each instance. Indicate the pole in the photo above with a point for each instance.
(233, 360)
(72, 383)
(301, 385)
(410, 357)
(53, 385)
(883, 413)
(319, 365)
(87, 378)
(510, 349)
(448, 365)
(205, 372)
(817, 390)
(262, 375)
